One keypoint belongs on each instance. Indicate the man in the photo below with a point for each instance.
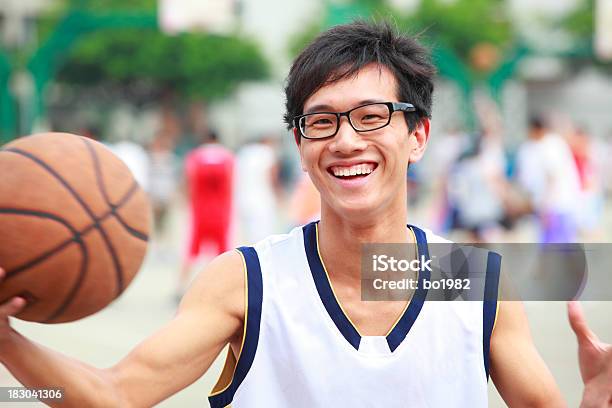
(546, 170)
(290, 307)
(209, 172)
(257, 188)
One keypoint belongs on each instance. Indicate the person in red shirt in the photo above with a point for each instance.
(209, 174)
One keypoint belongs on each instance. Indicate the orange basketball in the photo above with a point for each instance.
(74, 226)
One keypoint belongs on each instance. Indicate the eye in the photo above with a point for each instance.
(320, 121)
(323, 121)
(371, 117)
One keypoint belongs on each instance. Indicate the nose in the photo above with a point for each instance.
(347, 140)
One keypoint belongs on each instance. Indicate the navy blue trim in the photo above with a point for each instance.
(403, 326)
(249, 347)
(324, 288)
(344, 325)
(490, 304)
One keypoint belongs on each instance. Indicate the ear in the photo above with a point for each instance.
(421, 137)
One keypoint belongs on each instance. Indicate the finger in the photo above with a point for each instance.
(578, 322)
(12, 307)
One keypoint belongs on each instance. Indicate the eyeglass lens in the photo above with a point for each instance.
(363, 118)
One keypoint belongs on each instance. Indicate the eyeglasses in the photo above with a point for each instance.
(364, 118)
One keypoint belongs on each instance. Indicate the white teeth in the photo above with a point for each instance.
(359, 169)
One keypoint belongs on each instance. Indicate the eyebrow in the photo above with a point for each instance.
(329, 108)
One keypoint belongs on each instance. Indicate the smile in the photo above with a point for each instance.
(353, 171)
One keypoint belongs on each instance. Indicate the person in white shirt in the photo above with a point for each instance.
(547, 171)
(256, 189)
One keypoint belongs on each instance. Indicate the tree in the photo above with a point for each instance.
(197, 66)
(580, 22)
(457, 25)
(460, 25)
(194, 65)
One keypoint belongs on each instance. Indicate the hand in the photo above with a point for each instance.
(595, 359)
(9, 308)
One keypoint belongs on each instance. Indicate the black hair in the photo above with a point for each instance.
(537, 122)
(212, 136)
(343, 50)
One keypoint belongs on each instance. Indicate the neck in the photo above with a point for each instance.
(341, 238)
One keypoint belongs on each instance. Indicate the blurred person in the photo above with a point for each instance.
(547, 172)
(169, 125)
(164, 164)
(359, 101)
(580, 144)
(584, 151)
(475, 185)
(447, 149)
(477, 182)
(288, 169)
(445, 152)
(136, 159)
(209, 171)
(163, 178)
(257, 189)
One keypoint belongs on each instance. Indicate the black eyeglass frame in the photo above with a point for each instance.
(393, 107)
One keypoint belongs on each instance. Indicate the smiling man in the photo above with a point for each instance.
(358, 100)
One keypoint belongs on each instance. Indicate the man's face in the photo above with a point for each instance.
(381, 155)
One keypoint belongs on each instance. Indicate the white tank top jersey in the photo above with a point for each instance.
(301, 350)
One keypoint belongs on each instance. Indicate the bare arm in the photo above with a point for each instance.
(518, 372)
(210, 316)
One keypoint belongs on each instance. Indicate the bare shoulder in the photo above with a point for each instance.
(220, 286)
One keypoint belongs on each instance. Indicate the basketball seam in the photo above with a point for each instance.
(132, 231)
(98, 172)
(102, 187)
(105, 238)
(45, 215)
(60, 246)
(76, 237)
